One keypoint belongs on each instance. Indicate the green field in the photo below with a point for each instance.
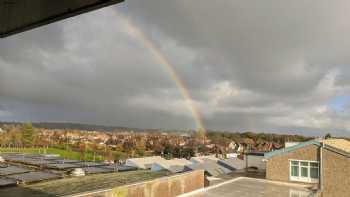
(67, 154)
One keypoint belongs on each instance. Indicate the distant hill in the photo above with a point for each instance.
(77, 126)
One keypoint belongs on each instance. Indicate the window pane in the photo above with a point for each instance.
(304, 163)
(295, 162)
(314, 173)
(294, 171)
(304, 172)
(312, 164)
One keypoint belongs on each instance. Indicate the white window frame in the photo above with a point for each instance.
(299, 178)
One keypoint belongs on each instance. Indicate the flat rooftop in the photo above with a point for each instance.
(76, 185)
(250, 187)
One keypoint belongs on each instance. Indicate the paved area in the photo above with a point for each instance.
(248, 187)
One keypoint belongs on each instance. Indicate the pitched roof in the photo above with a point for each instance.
(201, 159)
(233, 163)
(340, 144)
(174, 165)
(211, 167)
(144, 162)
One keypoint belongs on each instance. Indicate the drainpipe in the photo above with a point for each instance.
(321, 167)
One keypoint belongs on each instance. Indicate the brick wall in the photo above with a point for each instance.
(277, 167)
(336, 174)
(165, 187)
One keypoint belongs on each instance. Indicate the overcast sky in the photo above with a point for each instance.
(273, 66)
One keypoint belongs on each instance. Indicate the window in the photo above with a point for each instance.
(304, 171)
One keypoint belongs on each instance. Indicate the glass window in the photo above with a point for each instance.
(314, 173)
(295, 171)
(313, 164)
(304, 172)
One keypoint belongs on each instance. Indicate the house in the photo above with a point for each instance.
(323, 163)
(144, 162)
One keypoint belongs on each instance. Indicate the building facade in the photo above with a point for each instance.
(324, 164)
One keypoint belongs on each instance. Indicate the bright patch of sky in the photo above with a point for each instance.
(339, 103)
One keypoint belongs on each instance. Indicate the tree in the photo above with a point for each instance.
(327, 136)
(28, 134)
(200, 135)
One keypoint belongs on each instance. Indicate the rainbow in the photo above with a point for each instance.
(162, 60)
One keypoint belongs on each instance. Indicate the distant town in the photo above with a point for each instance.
(53, 159)
(99, 143)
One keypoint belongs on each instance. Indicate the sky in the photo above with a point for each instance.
(264, 66)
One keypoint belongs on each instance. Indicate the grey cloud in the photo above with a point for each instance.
(254, 65)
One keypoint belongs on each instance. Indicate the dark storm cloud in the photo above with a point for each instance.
(249, 65)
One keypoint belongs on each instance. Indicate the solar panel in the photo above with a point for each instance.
(62, 166)
(67, 161)
(4, 182)
(13, 170)
(96, 170)
(36, 162)
(122, 168)
(91, 164)
(34, 177)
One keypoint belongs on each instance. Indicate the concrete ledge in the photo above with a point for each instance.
(242, 178)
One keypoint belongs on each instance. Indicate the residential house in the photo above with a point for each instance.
(323, 163)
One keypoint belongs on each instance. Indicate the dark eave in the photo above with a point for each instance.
(17, 16)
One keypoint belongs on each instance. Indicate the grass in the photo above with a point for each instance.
(77, 185)
(67, 154)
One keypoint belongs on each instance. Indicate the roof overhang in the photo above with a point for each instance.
(303, 144)
(291, 148)
(21, 15)
(336, 150)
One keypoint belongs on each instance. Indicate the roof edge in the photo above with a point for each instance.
(291, 148)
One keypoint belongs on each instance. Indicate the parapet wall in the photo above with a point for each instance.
(163, 187)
